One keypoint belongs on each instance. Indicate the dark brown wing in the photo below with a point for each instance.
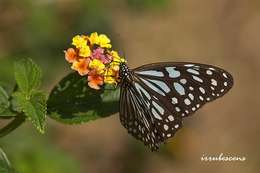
(186, 86)
(141, 114)
(156, 97)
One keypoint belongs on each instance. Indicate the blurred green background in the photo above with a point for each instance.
(224, 33)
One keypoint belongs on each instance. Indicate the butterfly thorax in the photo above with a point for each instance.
(124, 72)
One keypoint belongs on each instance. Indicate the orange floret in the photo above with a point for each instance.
(95, 81)
(81, 66)
(70, 55)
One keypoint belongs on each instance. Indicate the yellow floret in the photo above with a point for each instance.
(79, 41)
(84, 51)
(104, 41)
(94, 38)
(110, 80)
(97, 65)
(109, 76)
(116, 57)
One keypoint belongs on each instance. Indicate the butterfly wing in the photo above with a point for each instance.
(157, 96)
(137, 116)
(132, 116)
(185, 86)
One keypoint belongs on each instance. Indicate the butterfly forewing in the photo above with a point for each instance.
(185, 86)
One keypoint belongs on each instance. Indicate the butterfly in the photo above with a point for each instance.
(155, 98)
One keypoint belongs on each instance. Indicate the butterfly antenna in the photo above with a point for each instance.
(118, 36)
(124, 54)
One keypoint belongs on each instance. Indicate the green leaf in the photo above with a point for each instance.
(4, 102)
(27, 75)
(73, 102)
(34, 107)
(5, 166)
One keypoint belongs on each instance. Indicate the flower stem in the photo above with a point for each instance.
(18, 120)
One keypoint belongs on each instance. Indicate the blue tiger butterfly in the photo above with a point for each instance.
(155, 98)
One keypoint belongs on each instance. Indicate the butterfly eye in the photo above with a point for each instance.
(156, 98)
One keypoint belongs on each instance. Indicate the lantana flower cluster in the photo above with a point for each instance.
(93, 57)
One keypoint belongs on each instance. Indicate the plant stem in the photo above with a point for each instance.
(18, 120)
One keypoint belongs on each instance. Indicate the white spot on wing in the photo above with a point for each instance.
(214, 82)
(141, 90)
(156, 115)
(191, 96)
(183, 81)
(162, 85)
(225, 75)
(174, 100)
(197, 78)
(225, 83)
(202, 90)
(151, 73)
(165, 127)
(193, 71)
(170, 117)
(155, 97)
(158, 107)
(187, 101)
(179, 88)
(189, 65)
(177, 109)
(172, 72)
(209, 72)
(149, 84)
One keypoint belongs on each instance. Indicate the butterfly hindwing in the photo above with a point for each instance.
(165, 121)
(141, 115)
(132, 115)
